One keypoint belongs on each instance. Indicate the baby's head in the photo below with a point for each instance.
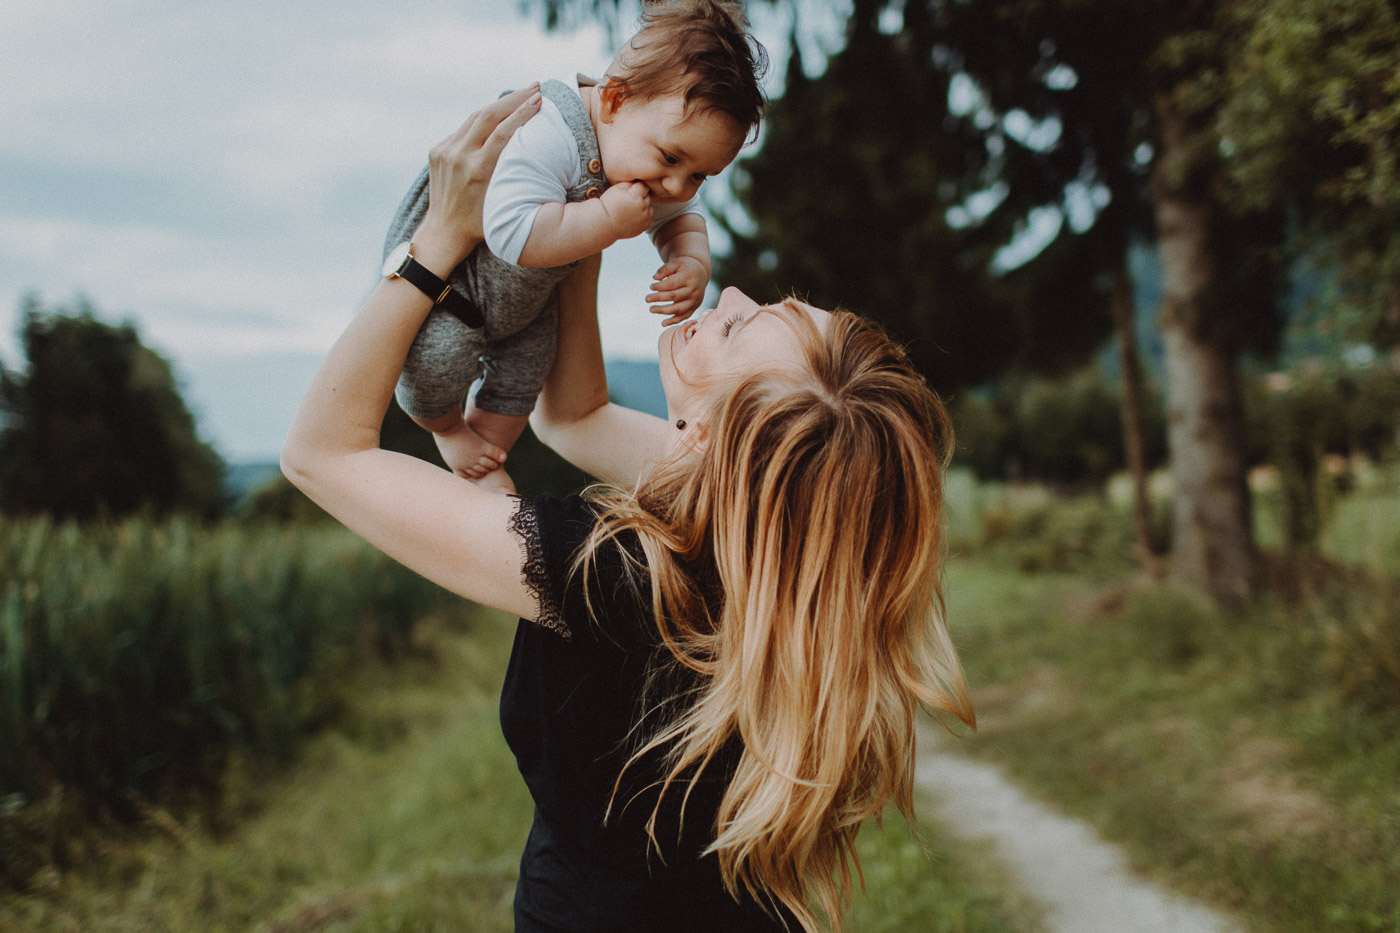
(688, 80)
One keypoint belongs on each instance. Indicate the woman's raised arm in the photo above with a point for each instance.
(432, 521)
(573, 414)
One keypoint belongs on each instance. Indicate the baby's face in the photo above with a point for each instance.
(656, 143)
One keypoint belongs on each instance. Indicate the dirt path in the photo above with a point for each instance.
(1083, 883)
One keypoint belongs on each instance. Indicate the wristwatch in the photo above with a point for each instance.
(400, 264)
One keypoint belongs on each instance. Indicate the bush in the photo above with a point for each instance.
(137, 659)
(1040, 533)
(1067, 431)
(1300, 417)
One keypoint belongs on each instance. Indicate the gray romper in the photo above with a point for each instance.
(513, 353)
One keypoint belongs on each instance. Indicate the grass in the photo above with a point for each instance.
(1251, 762)
(409, 815)
(138, 658)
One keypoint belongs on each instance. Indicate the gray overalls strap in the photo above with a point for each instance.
(517, 303)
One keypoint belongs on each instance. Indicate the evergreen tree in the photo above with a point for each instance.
(98, 425)
(850, 196)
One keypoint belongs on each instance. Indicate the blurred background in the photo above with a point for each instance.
(1147, 252)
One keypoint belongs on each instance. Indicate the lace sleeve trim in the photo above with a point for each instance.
(524, 524)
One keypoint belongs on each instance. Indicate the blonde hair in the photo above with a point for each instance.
(699, 49)
(796, 569)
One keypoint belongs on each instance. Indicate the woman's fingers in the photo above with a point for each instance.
(459, 169)
(492, 126)
(486, 132)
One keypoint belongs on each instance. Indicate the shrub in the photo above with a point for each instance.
(1067, 431)
(136, 659)
(1038, 532)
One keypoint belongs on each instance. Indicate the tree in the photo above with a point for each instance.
(99, 426)
(1311, 120)
(1144, 109)
(850, 198)
(1129, 95)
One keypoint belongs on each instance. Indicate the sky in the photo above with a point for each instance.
(221, 174)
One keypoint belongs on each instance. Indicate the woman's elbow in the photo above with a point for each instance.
(297, 463)
(545, 428)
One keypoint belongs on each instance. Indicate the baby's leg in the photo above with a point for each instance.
(499, 432)
(475, 446)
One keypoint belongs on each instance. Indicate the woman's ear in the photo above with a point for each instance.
(610, 96)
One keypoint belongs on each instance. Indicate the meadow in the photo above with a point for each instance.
(143, 662)
(407, 813)
(1250, 760)
(318, 746)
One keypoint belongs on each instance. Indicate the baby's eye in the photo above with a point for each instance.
(729, 325)
(670, 159)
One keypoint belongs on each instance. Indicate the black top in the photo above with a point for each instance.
(575, 689)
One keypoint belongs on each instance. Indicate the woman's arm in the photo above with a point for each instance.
(443, 527)
(573, 414)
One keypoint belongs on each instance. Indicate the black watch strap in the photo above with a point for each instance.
(444, 296)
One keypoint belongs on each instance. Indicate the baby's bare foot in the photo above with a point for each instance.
(497, 480)
(467, 453)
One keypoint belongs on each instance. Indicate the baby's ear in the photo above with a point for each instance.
(611, 95)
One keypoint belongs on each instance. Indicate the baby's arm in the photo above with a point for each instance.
(567, 232)
(679, 285)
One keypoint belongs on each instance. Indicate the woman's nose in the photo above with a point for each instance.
(732, 296)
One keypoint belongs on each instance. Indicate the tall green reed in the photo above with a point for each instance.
(136, 658)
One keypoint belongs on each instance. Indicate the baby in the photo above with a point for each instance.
(594, 166)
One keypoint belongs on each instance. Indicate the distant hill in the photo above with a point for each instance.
(637, 384)
(240, 479)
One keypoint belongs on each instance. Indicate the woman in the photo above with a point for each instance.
(726, 648)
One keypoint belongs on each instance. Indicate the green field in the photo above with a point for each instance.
(1252, 761)
(410, 815)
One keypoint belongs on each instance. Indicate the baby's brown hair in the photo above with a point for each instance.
(700, 49)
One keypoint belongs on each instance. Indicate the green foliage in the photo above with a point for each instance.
(410, 814)
(1028, 528)
(101, 429)
(850, 195)
(1312, 120)
(1067, 431)
(1298, 418)
(1250, 760)
(136, 658)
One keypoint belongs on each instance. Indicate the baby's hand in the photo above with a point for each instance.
(629, 208)
(678, 288)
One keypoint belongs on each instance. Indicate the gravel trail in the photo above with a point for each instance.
(1083, 883)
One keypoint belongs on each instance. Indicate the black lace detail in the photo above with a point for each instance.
(524, 524)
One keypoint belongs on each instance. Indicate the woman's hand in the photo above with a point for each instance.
(447, 529)
(459, 169)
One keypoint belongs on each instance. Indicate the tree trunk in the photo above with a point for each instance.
(1130, 365)
(1212, 540)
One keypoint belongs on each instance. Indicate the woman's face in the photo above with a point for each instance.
(738, 337)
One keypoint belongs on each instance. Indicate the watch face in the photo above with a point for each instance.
(395, 260)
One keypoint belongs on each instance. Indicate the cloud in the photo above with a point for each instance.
(221, 174)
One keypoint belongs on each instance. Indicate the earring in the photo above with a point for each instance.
(680, 424)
